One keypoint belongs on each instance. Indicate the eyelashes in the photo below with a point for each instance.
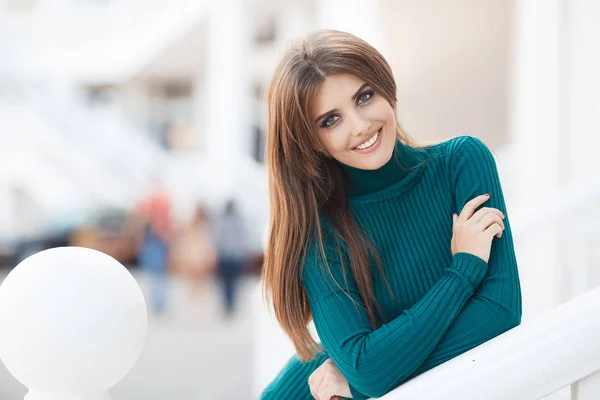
(362, 98)
(330, 120)
(364, 95)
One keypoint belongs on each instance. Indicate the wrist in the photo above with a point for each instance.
(471, 267)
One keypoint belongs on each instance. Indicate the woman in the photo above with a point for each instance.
(384, 244)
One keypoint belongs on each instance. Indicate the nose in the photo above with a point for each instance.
(359, 125)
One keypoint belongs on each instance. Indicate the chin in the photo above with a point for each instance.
(380, 162)
(376, 161)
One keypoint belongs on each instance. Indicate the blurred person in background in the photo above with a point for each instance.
(385, 244)
(193, 254)
(155, 214)
(232, 252)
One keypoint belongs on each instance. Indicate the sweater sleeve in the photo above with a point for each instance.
(496, 305)
(474, 172)
(374, 361)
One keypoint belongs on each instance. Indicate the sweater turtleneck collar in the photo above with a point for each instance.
(401, 170)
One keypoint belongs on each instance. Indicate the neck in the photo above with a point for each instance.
(403, 160)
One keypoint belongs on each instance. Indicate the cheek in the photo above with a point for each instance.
(389, 115)
(334, 141)
(385, 111)
(392, 117)
(380, 110)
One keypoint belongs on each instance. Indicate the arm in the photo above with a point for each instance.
(375, 361)
(496, 305)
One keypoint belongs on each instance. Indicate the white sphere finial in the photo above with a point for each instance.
(73, 323)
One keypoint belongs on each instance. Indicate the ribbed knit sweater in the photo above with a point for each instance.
(442, 305)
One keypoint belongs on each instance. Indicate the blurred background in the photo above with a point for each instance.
(138, 128)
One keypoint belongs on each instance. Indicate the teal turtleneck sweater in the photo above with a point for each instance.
(442, 305)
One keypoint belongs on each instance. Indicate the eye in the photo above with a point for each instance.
(364, 97)
(330, 120)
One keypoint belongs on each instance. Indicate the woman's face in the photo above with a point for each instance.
(356, 126)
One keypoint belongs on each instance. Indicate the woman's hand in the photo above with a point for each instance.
(326, 382)
(473, 232)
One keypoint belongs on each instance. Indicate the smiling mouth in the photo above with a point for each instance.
(369, 142)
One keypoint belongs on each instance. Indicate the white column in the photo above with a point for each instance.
(225, 131)
(358, 17)
(583, 92)
(537, 123)
(538, 113)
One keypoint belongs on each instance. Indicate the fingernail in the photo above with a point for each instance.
(487, 194)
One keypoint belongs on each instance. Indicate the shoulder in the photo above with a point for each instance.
(450, 152)
(460, 149)
(457, 144)
(467, 144)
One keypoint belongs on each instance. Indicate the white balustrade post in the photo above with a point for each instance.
(73, 324)
(586, 389)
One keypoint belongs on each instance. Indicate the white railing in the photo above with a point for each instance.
(534, 360)
(531, 361)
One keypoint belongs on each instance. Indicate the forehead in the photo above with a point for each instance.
(335, 91)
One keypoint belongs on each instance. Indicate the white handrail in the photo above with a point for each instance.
(556, 349)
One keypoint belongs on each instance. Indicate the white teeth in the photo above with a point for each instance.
(369, 143)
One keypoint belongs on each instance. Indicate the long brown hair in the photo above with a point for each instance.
(304, 184)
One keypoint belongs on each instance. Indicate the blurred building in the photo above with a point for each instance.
(99, 96)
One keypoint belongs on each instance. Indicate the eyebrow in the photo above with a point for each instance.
(354, 96)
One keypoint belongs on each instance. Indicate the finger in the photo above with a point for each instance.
(485, 210)
(470, 207)
(313, 392)
(489, 219)
(312, 383)
(493, 230)
(325, 392)
(454, 217)
(317, 383)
